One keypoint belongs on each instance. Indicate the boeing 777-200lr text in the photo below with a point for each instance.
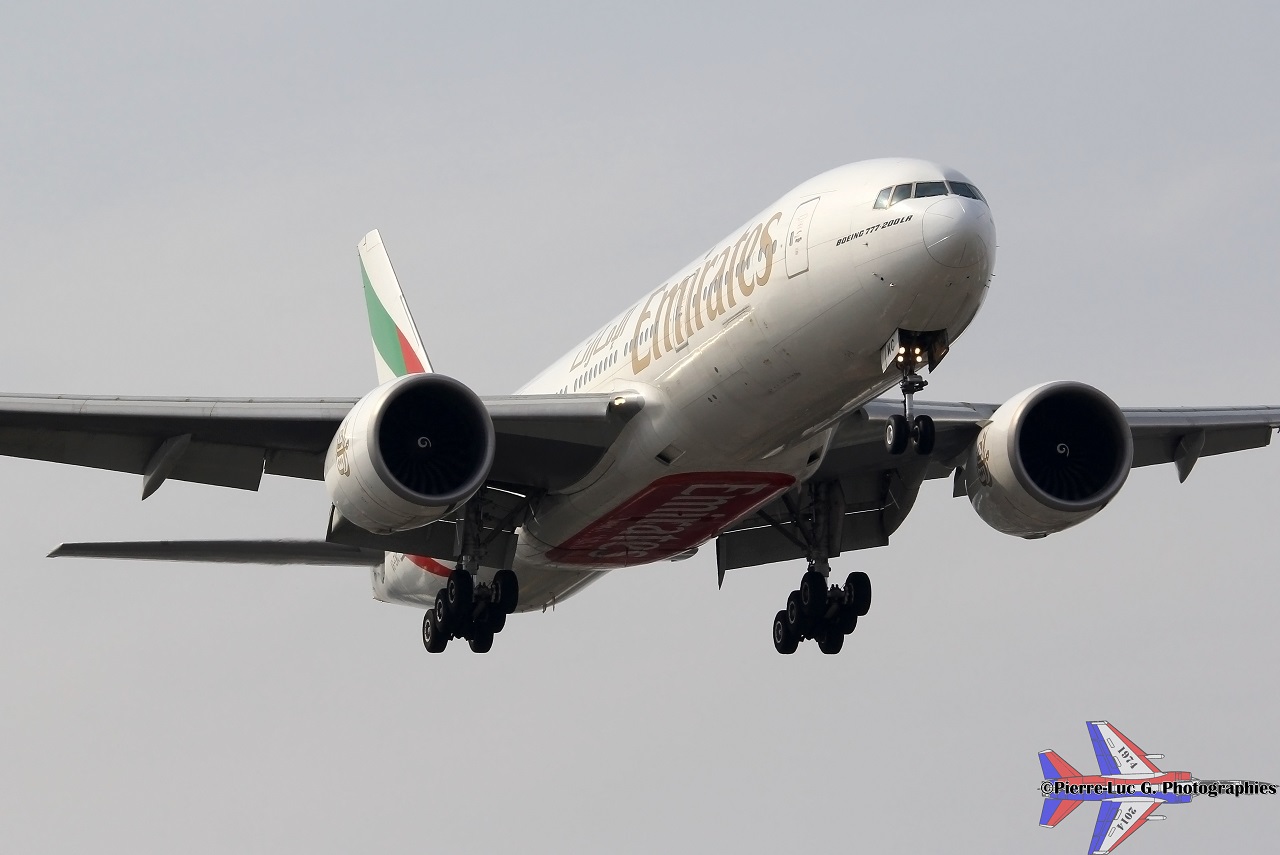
(736, 402)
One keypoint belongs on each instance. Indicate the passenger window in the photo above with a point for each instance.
(882, 201)
(902, 191)
(930, 188)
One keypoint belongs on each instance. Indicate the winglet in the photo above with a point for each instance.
(397, 347)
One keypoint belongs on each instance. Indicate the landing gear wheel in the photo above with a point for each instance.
(444, 616)
(795, 615)
(784, 640)
(433, 637)
(481, 642)
(495, 621)
(922, 433)
(506, 591)
(459, 592)
(858, 587)
(846, 620)
(831, 641)
(896, 434)
(813, 594)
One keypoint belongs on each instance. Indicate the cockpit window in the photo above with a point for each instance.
(962, 189)
(890, 196)
(902, 191)
(930, 188)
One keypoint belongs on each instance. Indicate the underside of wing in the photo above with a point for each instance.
(316, 552)
(544, 442)
(1117, 821)
(867, 490)
(1117, 754)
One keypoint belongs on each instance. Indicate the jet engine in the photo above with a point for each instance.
(410, 452)
(1051, 457)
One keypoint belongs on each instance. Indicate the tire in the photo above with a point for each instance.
(813, 594)
(795, 616)
(847, 619)
(459, 591)
(444, 615)
(495, 621)
(784, 640)
(858, 587)
(831, 641)
(506, 591)
(482, 642)
(922, 432)
(433, 637)
(896, 434)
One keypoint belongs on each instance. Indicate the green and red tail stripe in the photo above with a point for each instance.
(389, 339)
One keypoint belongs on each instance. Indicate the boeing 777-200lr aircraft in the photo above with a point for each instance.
(735, 402)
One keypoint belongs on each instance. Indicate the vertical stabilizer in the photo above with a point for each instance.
(397, 347)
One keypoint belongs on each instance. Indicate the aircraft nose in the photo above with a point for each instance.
(958, 231)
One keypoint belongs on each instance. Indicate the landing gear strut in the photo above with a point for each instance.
(899, 430)
(816, 610)
(465, 608)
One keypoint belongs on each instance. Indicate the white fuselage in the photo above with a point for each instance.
(746, 359)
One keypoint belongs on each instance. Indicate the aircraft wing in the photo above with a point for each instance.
(1117, 821)
(544, 442)
(878, 489)
(1167, 435)
(1116, 753)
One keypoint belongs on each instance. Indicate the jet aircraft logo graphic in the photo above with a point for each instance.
(1128, 787)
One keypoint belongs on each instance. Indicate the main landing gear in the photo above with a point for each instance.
(464, 609)
(824, 614)
(899, 430)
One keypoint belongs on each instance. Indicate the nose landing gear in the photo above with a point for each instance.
(910, 352)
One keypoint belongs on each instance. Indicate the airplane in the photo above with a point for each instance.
(1128, 787)
(738, 401)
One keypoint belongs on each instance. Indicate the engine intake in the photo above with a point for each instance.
(409, 453)
(1051, 457)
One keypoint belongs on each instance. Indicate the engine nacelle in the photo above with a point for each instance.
(1051, 457)
(410, 452)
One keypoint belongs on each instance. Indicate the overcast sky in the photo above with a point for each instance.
(181, 195)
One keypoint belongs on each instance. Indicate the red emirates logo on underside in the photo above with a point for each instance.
(669, 516)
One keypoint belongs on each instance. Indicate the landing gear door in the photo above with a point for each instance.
(798, 239)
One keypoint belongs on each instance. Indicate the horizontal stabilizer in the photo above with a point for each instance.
(1056, 810)
(228, 552)
(1054, 767)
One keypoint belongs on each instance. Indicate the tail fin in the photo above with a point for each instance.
(397, 347)
(1056, 810)
(1055, 767)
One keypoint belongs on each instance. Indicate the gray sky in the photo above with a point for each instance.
(181, 197)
